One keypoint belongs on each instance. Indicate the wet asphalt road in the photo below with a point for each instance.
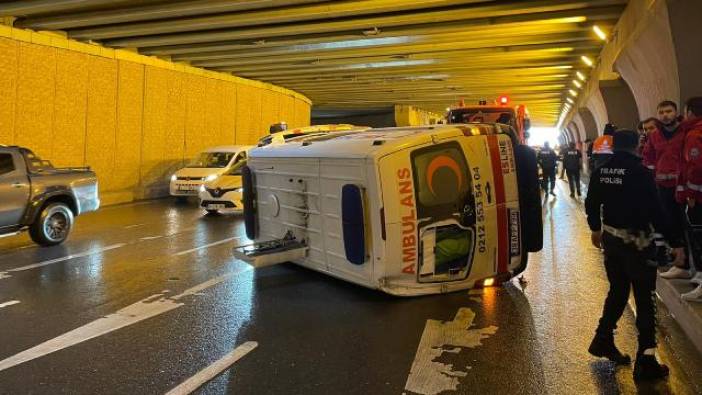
(150, 294)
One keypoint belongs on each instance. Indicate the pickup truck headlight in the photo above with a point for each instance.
(173, 177)
(211, 177)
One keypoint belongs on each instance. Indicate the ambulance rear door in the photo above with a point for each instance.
(495, 185)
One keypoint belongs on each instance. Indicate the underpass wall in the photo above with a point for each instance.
(133, 119)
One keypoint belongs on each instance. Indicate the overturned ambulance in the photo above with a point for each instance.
(409, 211)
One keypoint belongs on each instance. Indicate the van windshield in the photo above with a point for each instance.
(212, 160)
(467, 115)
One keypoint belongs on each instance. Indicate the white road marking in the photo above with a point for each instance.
(427, 376)
(133, 226)
(9, 303)
(146, 308)
(208, 245)
(150, 238)
(210, 372)
(6, 273)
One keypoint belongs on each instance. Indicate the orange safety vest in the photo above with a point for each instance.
(603, 145)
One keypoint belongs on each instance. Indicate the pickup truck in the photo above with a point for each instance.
(42, 199)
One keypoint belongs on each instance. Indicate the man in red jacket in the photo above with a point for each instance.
(662, 154)
(690, 187)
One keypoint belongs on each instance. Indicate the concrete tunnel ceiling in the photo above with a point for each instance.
(356, 54)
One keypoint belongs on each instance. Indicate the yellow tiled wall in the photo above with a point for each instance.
(133, 119)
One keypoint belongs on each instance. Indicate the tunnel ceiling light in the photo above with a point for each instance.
(580, 75)
(600, 33)
(578, 84)
(573, 93)
(569, 100)
(587, 60)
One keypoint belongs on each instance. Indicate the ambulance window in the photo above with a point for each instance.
(441, 176)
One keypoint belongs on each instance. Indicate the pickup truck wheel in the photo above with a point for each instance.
(53, 225)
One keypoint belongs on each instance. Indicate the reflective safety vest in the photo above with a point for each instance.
(603, 145)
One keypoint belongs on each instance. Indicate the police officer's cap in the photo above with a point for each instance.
(625, 140)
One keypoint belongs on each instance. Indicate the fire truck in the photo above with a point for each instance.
(500, 112)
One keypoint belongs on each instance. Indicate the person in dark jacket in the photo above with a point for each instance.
(623, 211)
(572, 161)
(548, 160)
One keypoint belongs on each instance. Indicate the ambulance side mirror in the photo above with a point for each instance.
(352, 223)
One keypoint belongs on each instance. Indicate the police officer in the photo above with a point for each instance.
(622, 192)
(548, 160)
(572, 162)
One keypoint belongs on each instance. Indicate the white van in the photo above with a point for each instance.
(408, 211)
(208, 166)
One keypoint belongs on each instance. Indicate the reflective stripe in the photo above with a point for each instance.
(640, 241)
(664, 176)
(694, 187)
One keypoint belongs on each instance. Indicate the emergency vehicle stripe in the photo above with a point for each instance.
(502, 250)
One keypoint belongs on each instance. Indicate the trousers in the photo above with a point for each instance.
(574, 180)
(548, 175)
(627, 269)
(694, 232)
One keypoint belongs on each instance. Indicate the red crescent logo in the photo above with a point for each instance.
(439, 162)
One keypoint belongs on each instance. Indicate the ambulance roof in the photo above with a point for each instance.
(370, 143)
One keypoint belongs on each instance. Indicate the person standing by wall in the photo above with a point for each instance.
(548, 160)
(622, 207)
(663, 155)
(572, 163)
(689, 191)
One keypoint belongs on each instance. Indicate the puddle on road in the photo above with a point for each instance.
(427, 376)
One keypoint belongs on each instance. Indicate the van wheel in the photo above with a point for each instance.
(53, 225)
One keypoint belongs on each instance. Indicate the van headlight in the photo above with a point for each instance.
(174, 177)
(211, 177)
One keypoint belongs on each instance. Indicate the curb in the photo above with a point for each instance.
(687, 314)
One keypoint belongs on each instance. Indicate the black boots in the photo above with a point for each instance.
(647, 367)
(603, 347)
